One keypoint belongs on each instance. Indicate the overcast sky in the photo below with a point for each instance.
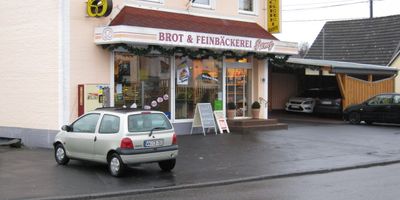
(302, 20)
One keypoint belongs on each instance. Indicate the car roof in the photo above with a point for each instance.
(124, 110)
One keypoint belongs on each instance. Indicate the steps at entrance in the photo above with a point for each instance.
(244, 125)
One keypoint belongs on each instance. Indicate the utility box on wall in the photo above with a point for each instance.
(92, 96)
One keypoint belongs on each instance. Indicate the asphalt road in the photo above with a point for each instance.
(32, 173)
(360, 184)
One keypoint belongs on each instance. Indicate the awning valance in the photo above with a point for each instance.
(152, 27)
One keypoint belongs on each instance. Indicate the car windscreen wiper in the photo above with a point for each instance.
(155, 128)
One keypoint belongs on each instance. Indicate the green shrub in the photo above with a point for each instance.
(255, 105)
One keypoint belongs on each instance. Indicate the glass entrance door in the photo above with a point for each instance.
(238, 90)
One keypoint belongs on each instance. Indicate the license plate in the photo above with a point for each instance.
(153, 143)
(326, 103)
(293, 106)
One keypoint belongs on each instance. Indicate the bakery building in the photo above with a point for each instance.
(155, 54)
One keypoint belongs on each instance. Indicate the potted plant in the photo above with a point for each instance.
(231, 110)
(255, 109)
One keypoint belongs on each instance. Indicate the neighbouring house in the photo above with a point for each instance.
(395, 62)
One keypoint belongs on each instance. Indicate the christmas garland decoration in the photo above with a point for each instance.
(192, 53)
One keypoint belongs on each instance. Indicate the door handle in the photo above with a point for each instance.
(95, 138)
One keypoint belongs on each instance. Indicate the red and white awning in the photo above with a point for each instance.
(151, 27)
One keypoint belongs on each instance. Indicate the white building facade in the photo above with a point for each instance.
(58, 62)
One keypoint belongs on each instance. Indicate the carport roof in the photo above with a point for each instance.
(344, 67)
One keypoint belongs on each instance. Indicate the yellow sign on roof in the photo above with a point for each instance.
(273, 16)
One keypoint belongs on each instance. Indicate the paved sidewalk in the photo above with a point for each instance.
(212, 159)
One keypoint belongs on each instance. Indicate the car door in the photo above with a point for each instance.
(80, 140)
(107, 137)
(375, 108)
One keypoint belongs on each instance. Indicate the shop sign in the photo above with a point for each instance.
(273, 15)
(176, 38)
(216, 41)
(99, 8)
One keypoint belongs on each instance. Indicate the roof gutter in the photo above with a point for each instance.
(345, 67)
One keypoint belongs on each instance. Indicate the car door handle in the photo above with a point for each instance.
(95, 138)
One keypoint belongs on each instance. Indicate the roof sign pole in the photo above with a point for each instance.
(371, 9)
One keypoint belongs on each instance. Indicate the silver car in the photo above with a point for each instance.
(300, 104)
(118, 137)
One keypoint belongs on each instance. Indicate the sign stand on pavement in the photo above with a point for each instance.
(221, 121)
(203, 117)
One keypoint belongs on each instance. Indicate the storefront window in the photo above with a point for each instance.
(197, 81)
(143, 81)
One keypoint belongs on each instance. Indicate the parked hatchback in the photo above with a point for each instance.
(118, 137)
(380, 108)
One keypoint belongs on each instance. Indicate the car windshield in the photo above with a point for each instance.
(147, 122)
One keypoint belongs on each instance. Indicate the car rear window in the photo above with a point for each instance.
(147, 122)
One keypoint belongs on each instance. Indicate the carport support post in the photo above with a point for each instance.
(340, 80)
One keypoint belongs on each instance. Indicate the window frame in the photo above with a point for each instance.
(101, 121)
(245, 12)
(154, 1)
(381, 96)
(131, 129)
(199, 5)
(83, 116)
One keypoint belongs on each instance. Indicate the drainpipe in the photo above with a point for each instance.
(63, 61)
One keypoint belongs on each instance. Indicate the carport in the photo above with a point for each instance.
(357, 82)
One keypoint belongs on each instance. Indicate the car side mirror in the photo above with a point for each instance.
(66, 128)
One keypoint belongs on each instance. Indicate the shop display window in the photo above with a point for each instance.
(142, 82)
(197, 81)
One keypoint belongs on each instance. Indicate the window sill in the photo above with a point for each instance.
(153, 1)
(202, 6)
(243, 12)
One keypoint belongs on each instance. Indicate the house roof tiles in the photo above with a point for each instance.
(133, 16)
(368, 41)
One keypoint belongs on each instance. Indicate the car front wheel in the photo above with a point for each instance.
(115, 165)
(60, 155)
(167, 165)
(354, 118)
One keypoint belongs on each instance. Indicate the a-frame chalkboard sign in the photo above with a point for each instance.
(204, 118)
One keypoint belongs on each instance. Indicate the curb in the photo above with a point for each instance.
(218, 183)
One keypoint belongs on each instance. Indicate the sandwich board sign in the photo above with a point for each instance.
(221, 121)
(204, 118)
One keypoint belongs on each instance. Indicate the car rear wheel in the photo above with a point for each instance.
(60, 155)
(167, 165)
(354, 118)
(115, 165)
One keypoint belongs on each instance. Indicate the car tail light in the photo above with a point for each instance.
(174, 139)
(126, 143)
